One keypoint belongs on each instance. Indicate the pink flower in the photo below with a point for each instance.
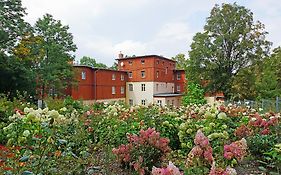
(228, 155)
(170, 170)
(236, 149)
(201, 139)
(208, 154)
(197, 151)
(156, 171)
(265, 131)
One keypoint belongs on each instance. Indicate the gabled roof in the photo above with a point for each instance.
(145, 56)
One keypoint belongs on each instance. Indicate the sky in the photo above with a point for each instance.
(103, 28)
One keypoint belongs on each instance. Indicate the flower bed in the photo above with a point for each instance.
(197, 139)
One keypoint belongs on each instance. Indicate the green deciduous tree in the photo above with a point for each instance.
(194, 95)
(114, 66)
(231, 41)
(268, 83)
(15, 75)
(91, 62)
(244, 83)
(12, 25)
(54, 68)
(181, 60)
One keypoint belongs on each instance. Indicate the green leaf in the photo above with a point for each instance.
(62, 141)
(262, 168)
(24, 159)
(27, 173)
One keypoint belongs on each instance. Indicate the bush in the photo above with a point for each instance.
(143, 151)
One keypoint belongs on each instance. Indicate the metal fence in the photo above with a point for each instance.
(265, 105)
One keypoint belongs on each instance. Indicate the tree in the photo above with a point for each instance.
(15, 74)
(12, 25)
(182, 62)
(114, 66)
(91, 62)
(54, 68)
(194, 95)
(269, 81)
(231, 41)
(244, 83)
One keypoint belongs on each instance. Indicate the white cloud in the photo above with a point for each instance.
(175, 31)
(130, 48)
(102, 28)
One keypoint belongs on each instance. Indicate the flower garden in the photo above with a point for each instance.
(72, 138)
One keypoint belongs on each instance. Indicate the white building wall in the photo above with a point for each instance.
(89, 102)
(173, 101)
(163, 87)
(137, 94)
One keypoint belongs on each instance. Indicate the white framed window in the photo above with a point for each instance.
(83, 75)
(142, 87)
(143, 102)
(157, 74)
(178, 76)
(131, 102)
(130, 75)
(142, 74)
(113, 76)
(122, 77)
(159, 102)
(130, 62)
(178, 88)
(142, 61)
(157, 61)
(122, 90)
(131, 88)
(113, 90)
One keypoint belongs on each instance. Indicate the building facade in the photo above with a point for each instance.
(139, 80)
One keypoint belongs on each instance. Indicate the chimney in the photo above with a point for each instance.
(120, 55)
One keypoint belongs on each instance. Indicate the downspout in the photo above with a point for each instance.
(95, 77)
(95, 85)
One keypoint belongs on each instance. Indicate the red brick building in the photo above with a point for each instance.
(138, 80)
(96, 84)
